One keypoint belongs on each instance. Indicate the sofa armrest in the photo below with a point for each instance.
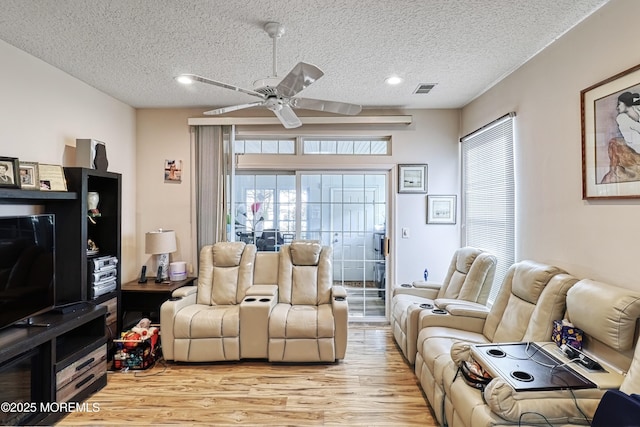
(458, 307)
(462, 310)
(421, 284)
(338, 291)
(262, 290)
(561, 406)
(184, 291)
(456, 317)
(428, 290)
(341, 316)
(181, 298)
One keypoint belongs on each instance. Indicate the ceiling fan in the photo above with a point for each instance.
(279, 95)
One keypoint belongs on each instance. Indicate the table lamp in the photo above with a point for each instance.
(160, 243)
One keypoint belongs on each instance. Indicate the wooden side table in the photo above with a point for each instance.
(148, 297)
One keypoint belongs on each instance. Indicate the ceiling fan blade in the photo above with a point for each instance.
(287, 117)
(329, 106)
(301, 76)
(224, 85)
(232, 108)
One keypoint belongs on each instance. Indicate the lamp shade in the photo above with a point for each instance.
(160, 242)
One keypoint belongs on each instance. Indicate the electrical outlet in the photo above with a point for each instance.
(405, 232)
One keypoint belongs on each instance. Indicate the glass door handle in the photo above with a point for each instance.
(385, 247)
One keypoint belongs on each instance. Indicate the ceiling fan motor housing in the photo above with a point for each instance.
(266, 86)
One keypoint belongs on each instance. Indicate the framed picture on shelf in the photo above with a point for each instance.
(412, 178)
(29, 176)
(51, 178)
(611, 137)
(9, 172)
(441, 209)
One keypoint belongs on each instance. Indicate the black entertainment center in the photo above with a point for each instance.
(55, 331)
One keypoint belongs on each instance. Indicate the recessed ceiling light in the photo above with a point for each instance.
(184, 79)
(393, 80)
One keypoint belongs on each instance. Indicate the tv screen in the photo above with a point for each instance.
(27, 272)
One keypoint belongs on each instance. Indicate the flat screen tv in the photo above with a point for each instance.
(27, 267)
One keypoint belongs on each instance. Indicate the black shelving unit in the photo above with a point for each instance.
(75, 229)
(52, 349)
(80, 337)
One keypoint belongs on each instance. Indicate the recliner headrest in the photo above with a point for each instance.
(305, 252)
(605, 312)
(465, 257)
(530, 279)
(227, 254)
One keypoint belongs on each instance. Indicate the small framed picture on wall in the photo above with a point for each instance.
(412, 178)
(441, 209)
(173, 171)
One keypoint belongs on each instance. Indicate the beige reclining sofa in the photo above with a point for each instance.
(608, 315)
(531, 297)
(280, 306)
(469, 278)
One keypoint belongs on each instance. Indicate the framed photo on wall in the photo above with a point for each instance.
(611, 137)
(173, 171)
(9, 172)
(441, 209)
(412, 178)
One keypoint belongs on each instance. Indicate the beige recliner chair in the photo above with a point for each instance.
(202, 323)
(531, 297)
(608, 315)
(309, 322)
(469, 278)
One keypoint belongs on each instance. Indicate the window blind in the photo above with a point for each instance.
(488, 190)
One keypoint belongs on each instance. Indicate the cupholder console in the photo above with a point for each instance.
(254, 317)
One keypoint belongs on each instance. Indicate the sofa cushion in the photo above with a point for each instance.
(301, 321)
(512, 309)
(465, 258)
(631, 382)
(205, 321)
(530, 279)
(227, 254)
(455, 284)
(614, 309)
(305, 285)
(305, 252)
(225, 272)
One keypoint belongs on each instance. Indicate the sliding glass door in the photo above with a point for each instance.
(345, 210)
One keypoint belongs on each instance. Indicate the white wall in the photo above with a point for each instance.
(43, 111)
(432, 138)
(163, 134)
(599, 239)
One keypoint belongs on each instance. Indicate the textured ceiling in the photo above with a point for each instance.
(132, 49)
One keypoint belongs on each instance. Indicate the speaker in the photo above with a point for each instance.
(91, 154)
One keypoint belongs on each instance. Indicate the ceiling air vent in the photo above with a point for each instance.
(424, 88)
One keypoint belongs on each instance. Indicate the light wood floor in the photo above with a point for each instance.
(373, 385)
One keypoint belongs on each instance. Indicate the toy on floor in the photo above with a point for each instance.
(136, 347)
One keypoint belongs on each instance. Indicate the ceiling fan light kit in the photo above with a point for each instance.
(278, 95)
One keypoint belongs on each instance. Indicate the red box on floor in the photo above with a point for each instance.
(135, 353)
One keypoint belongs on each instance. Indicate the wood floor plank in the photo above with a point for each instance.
(373, 385)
